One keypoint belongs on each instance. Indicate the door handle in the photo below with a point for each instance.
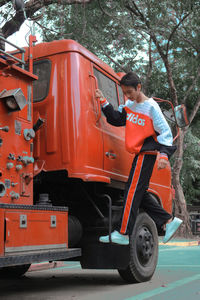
(111, 155)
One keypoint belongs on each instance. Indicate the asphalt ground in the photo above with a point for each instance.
(177, 277)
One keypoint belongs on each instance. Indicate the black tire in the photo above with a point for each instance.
(143, 251)
(75, 231)
(13, 272)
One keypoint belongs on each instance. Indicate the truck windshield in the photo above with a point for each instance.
(42, 69)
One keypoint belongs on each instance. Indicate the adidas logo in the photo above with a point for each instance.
(134, 119)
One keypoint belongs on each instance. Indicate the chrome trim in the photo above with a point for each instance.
(35, 248)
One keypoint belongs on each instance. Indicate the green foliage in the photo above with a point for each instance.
(101, 34)
(109, 29)
(190, 174)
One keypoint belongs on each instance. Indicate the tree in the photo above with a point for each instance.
(26, 9)
(190, 180)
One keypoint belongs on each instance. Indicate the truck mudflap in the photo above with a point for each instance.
(105, 256)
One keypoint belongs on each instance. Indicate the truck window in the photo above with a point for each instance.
(121, 95)
(42, 69)
(108, 87)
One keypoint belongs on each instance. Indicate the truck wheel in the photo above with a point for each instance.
(143, 251)
(13, 272)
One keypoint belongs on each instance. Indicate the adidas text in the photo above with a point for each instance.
(134, 119)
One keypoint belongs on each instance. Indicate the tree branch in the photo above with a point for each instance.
(45, 28)
(149, 72)
(196, 48)
(14, 24)
(135, 10)
(174, 30)
(115, 62)
(103, 10)
(3, 2)
(31, 7)
(137, 13)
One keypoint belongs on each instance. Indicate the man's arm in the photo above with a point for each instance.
(113, 117)
(165, 138)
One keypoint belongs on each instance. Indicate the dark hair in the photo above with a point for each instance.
(130, 79)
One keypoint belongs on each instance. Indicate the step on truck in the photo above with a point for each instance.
(63, 168)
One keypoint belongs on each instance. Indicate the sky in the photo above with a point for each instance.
(20, 38)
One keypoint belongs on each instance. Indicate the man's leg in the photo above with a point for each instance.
(139, 178)
(115, 235)
(160, 216)
(138, 181)
(154, 210)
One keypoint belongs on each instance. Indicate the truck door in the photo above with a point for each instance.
(115, 157)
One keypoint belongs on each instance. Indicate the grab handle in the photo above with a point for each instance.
(98, 106)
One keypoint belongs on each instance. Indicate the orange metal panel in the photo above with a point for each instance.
(35, 230)
(44, 50)
(14, 147)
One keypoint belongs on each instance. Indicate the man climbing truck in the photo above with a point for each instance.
(63, 167)
(147, 132)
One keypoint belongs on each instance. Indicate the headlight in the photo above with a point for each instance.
(13, 99)
(11, 103)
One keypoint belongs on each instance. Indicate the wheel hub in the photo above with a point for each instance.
(145, 245)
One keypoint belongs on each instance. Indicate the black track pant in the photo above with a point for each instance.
(136, 195)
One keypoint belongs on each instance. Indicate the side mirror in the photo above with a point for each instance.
(181, 116)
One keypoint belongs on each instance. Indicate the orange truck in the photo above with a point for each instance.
(63, 167)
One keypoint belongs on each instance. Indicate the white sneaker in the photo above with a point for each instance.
(116, 238)
(171, 229)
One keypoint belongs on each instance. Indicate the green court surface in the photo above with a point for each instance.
(178, 272)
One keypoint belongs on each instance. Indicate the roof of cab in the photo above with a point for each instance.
(61, 46)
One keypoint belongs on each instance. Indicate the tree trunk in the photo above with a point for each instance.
(149, 71)
(180, 202)
(171, 82)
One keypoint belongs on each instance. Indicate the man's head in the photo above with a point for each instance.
(131, 85)
(130, 79)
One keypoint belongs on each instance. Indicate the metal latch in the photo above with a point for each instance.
(53, 221)
(111, 155)
(23, 221)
